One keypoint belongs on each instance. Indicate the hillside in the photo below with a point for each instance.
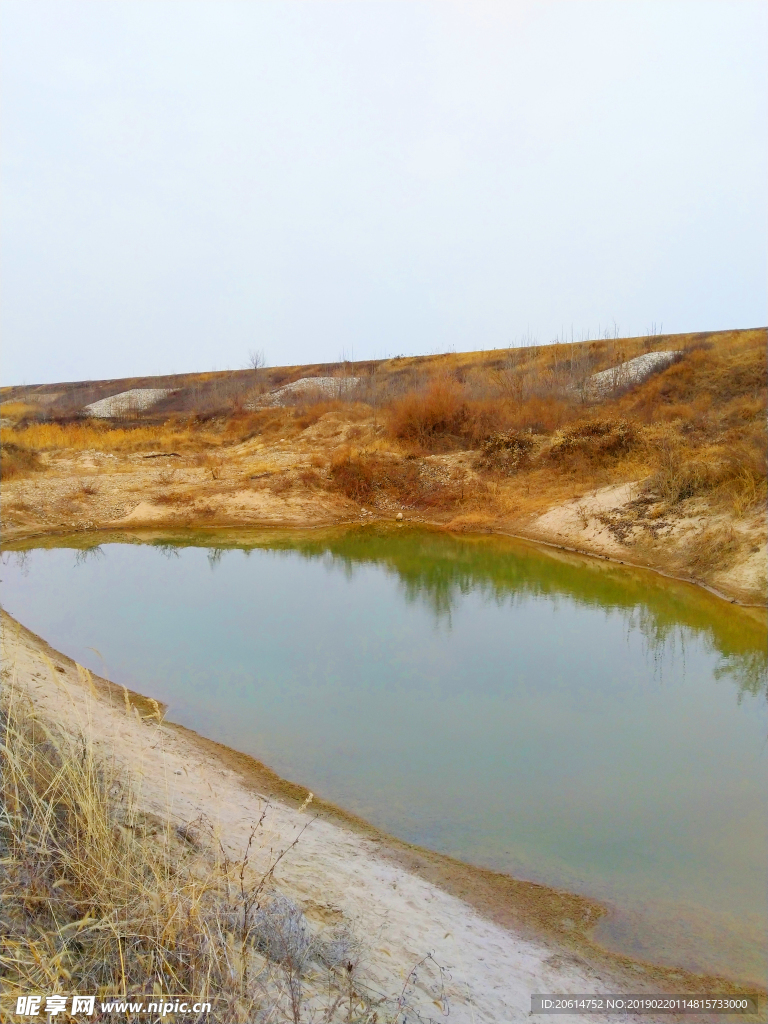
(648, 450)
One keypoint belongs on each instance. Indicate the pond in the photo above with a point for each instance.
(559, 718)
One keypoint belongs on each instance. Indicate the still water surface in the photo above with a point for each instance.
(562, 719)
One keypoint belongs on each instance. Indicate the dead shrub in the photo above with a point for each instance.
(16, 460)
(356, 476)
(441, 416)
(279, 483)
(310, 477)
(365, 477)
(89, 488)
(505, 453)
(711, 550)
(171, 498)
(542, 414)
(594, 441)
(734, 475)
(431, 416)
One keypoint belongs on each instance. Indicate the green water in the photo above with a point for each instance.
(558, 718)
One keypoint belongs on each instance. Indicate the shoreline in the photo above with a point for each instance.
(554, 922)
(536, 537)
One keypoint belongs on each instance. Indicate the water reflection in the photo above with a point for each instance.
(437, 570)
(92, 554)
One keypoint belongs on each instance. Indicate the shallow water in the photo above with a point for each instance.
(562, 719)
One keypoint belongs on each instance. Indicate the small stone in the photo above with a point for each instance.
(399, 516)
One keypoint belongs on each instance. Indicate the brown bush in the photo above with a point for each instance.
(279, 483)
(594, 441)
(543, 414)
(16, 460)
(365, 477)
(505, 453)
(171, 498)
(440, 416)
(430, 416)
(736, 475)
(310, 477)
(358, 476)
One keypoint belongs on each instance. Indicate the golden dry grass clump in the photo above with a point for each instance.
(17, 460)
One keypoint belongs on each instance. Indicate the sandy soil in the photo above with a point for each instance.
(404, 903)
(621, 523)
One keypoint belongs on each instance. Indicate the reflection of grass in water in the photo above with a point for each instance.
(747, 670)
(95, 553)
(438, 568)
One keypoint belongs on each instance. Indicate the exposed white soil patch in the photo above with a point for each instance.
(633, 371)
(135, 400)
(330, 387)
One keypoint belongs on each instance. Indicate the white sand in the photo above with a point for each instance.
(330, 387)
(633, 371)
(135, 400)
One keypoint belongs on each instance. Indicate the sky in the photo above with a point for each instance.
(184, 182)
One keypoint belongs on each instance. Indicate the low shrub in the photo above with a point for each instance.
(594, 441)
(16, 460)
(736, 474)
(711, 550)
(366, 477)
(505, 453)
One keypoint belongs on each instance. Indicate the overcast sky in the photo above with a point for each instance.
(185, 181)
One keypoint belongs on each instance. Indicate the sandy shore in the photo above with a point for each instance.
(499, 940)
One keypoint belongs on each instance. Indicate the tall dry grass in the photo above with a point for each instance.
(101, 898)
(101, 435)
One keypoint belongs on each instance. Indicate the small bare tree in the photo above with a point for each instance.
(256, 359)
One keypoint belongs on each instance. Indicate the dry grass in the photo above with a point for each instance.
(711, 550)
(373, 478)
(16, 411)
(101, 898)
(17, 460)
(733, 477)
(694, 430)
(594, 442)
